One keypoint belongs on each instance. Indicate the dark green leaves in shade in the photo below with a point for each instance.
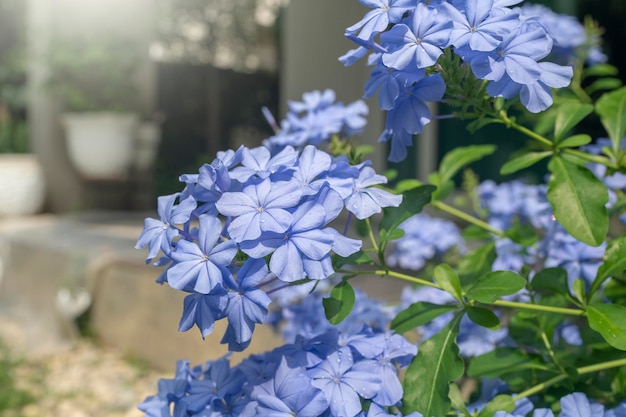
(614, 262)
(449, 281)
(483, 317)
(552, 280)
(418, 314)
(611, 108)
(494, 285)
(578, 199)
(427, 379)
(610, 321)
(340, 303)
(413, 201)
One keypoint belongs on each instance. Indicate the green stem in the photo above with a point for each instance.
(415, 280)
(467, 217)
(540, 387)
(581, 371)
(539, 307)
(371, 234)
(547, 142)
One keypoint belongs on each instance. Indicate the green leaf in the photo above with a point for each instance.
(456, 398)
(579, 288)
(413, 201)
(500, 361)
(575, 141)
(609, 83)
(494, 285)
(484, 317)
(427, 379)
(477, 263)
(611, 108)
(458, 158)
(568, 115)
(357, 258)
(600, 70)
(578, 199)
(523, 161)
(418, 314)
(614, 263)
(551, 280)
(449, 281)
(502, 402)
(340, 303)
(610, 321)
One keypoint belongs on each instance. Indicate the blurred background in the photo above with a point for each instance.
(191, 75)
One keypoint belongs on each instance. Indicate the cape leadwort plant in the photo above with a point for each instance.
(525, 315)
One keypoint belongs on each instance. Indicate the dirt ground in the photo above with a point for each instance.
(82, 381)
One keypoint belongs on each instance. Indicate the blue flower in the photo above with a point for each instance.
(410, 113)
(343, 385)
(259, 208)
(577, 258)
(259, 163)
(480, 29)
(201, 266)
(247, 304)
(377, 20)
(517, 56)
(424, 238)
(202, 310)
(419, 44)
(289, 393)
(366, 200)
(158, 234)
(578, 405)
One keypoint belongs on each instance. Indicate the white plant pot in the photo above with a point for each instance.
(22, 185)
(101, 145)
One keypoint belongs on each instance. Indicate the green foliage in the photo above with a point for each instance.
(610, 321)
(340, 303)
(418, 314)
(611, 108)
(426, 382)
(11, 397)
(579, 201)
(449, 281)
(494, 285)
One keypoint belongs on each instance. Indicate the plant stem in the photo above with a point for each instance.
(539, 307)
(467, 217)
(415, 280)
(547, 142)
(371, 234)
(581, 371)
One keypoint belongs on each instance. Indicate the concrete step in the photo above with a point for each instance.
(55, 268)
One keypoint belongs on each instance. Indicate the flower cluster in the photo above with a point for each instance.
(322, 371)
(250, 205)
(503, 46)
(517, 202)
(425, 238)
(315, 119)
